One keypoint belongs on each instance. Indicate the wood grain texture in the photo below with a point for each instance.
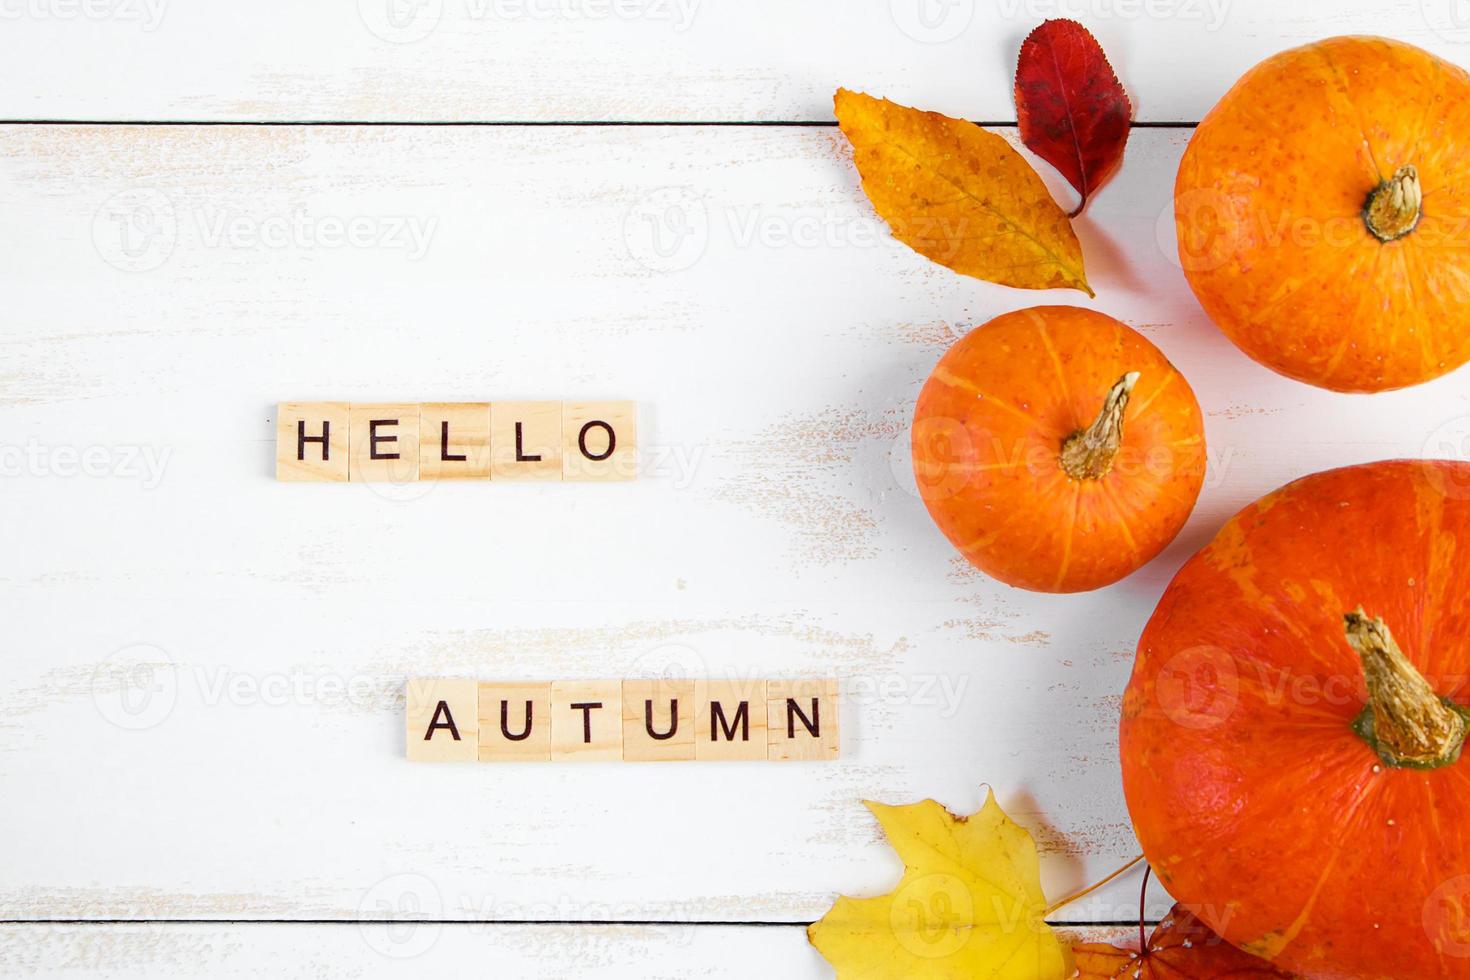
(515, 722)
(690, 60)
(359, 952)
(220, 658)
(454, 441)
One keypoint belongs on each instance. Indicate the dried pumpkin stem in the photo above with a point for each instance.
(1394, 206)
(1411, 725)
(1088, 454)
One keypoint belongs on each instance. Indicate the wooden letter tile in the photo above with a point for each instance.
(515, 722)
(802, 720)
(586, 721)
(385, 443)
(729, 720)
(443, 720)
(454, 441)
(312, 441)
(600, 440)
(658, 721)
(525, 440)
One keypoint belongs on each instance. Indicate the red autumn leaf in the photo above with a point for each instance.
(1072, 110)
(1181, 946)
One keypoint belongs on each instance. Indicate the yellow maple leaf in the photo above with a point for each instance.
(960, 195)
(969, 904)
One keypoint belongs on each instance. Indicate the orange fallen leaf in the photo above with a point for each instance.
(960, 195)
(1181, 946)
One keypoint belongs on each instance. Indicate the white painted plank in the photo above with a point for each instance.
(360, 951)
(633, 59)
(777, 350)
(227, 950)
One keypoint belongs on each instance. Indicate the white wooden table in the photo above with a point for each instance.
(201, 769)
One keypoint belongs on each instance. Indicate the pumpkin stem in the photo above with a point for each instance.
(1405, 721)
(1394, 206)
(1088, 453)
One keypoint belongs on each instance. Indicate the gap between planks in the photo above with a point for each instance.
(511, 123)
(710, 923)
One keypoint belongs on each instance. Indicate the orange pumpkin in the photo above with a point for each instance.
(1057, 448)
(1323, 214)
(1291, 734)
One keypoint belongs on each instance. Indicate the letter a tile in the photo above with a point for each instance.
(443, 720)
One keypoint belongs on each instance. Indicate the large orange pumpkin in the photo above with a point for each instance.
(1057, 448)
(1323, 214)
(1291, 734)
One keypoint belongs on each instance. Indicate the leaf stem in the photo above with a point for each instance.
(1091, 888)
(1143, 910)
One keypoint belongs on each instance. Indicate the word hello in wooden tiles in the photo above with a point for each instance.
(338, 441)
(631, 721)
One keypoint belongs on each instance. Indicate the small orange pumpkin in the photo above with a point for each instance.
(1058, 449)
(1291, 735)
(1323, 214)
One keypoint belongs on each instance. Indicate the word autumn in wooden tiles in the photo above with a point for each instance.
(400, 443)
(630, 721)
